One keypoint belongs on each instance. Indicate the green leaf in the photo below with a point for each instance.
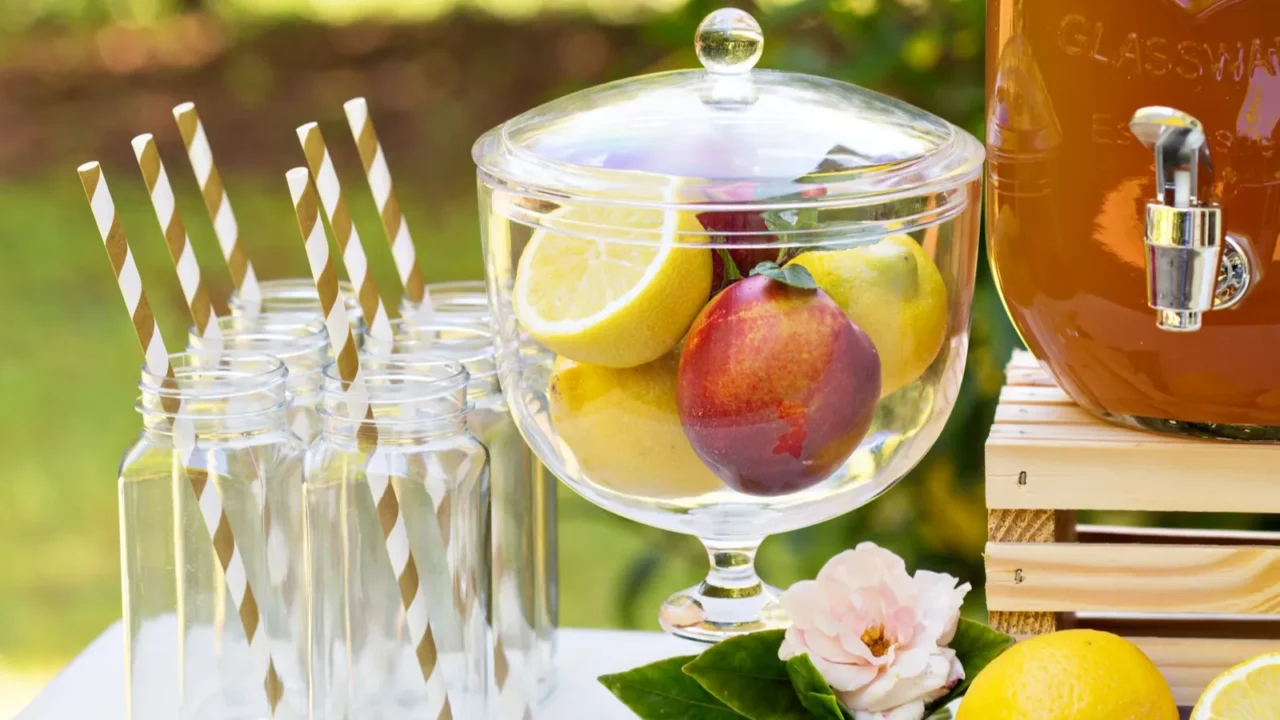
(744, 672)
(813, 690)
(731, 272)
(945, 713)
(661, 691)
(976, 645)
(788, 221)
(796, 276)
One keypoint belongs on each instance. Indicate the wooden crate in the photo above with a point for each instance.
(1196, 602)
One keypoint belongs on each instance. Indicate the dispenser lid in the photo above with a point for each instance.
(728, 134)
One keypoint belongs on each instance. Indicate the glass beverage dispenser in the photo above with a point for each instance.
(1133, 204)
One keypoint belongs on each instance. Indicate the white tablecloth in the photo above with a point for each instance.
(92, 686)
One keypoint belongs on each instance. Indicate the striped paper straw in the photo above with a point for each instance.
(218, 205)
(344, 230)
(145, 327)
(217, 523)
(306, 206)
(175, 237)
(384, 197)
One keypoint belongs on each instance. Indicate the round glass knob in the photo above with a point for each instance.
(729, 42)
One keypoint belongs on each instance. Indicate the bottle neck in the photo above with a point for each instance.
(215, 397)
(399, 400)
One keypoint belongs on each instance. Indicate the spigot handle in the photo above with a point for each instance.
(1181, 151)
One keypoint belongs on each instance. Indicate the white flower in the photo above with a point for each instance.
(878, 635)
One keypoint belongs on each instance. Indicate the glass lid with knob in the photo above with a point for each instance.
(732, 134)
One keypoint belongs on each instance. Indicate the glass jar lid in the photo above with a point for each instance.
(733, 137)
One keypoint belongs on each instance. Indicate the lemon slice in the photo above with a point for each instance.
(1248, 691)
(621, 298)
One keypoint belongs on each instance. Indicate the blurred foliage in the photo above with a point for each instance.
(79, 77)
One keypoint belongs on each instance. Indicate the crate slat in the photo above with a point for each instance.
(1190, 664)
(1190, 476)
(1068, 577)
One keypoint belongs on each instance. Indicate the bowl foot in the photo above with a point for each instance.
(731, 601)
(694, 615)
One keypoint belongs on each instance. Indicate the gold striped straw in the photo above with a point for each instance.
(175, 237)
(374, 161)
(217, 524)
(218, 205)
(155, 356)
(344, 230)
(306, 205)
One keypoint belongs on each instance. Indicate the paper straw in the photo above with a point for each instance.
(218, 205)
(306, 206)
(156, 361)
(175, 237)
(374, 161)
(353, 258)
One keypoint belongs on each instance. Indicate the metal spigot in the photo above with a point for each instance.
(1192, 265)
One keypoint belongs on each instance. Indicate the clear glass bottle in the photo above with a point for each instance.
(207, 634)
(300, 341)
(465, 301)
(400, 515)
(298, 295)
(525, 606)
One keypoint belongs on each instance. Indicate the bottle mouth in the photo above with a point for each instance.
(226, 384)
(455, 301)
(284, 335)
(299, 295)
(401, 390)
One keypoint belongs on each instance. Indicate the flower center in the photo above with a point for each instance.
(876, 641)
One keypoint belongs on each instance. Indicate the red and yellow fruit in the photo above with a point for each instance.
(776, 386)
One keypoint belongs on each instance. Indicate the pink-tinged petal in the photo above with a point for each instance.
(940, 601)
(910, 663)
(792, 644)
(910, 711)
(954, 675)
(901, 624)
(845, 678)
(826, 647)
(805, 603)
(851, 640)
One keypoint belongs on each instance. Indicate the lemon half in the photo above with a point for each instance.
(1248, 691)
(621, 298)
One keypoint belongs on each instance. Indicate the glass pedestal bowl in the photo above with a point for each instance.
(729, 340)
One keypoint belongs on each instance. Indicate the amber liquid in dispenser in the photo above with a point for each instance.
(1069, 183)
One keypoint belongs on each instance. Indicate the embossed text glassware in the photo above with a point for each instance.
(731, 302)
(206, 622)
(396, 525)
(1131, 212)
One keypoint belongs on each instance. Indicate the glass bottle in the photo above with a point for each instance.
(207, 634)
(524, 608)
(465, 301)
(300, 341)
(391, 517)
(298, 295)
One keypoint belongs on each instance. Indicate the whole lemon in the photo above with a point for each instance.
(893, 291)
(624, 428)
(1070, 675)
